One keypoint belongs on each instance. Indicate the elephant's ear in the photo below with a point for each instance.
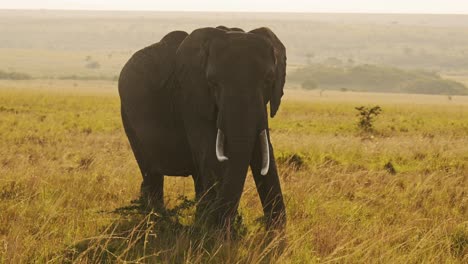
(280, 58)
(191, 60)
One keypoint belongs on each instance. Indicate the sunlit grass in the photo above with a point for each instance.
(67, 179)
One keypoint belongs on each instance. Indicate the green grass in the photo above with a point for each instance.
(68, 178)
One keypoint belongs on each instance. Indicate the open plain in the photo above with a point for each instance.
(69, 183)
(68, 179)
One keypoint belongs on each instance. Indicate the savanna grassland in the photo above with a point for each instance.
(69, 183)
(398, 194)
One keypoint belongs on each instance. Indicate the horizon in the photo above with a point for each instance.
(229, 11)
(448, 7)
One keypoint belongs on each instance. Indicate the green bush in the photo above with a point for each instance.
(366, 117)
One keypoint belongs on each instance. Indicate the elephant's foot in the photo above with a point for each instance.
(152, 197)
(150, 203)
(230, 224)
(275, 215)
(276, 222)
(211, 216)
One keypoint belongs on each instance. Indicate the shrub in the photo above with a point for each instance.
(366, 117)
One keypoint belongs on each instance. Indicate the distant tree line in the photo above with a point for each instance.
(14, 76)
(4, 75)
(375, 78)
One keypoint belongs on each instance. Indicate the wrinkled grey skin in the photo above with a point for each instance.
(176, 95)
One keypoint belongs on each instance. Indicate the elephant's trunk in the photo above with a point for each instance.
(241, 125)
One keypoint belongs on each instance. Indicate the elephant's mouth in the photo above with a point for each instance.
(265, 152)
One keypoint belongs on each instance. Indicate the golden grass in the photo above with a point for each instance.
(67, 179)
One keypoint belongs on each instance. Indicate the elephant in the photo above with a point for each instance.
(196, 105)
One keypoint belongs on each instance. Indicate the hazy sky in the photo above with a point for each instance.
(372, 6)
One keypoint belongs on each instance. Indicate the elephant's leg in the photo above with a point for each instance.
(197, 182)
(152, 190)
(269, 190)
(205, 194)
(206, 169)
(136, 148)
(200, 197)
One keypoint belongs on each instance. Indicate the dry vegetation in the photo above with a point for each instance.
(68, 179)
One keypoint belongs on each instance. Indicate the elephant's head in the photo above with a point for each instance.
(234, 76)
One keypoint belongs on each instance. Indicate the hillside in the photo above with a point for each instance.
(374, 78)
(435, 42)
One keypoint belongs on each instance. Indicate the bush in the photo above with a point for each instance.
(366, 117)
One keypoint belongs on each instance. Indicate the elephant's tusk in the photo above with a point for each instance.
(220, 146)
(265, 152)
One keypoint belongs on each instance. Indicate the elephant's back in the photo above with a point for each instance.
(151, 68)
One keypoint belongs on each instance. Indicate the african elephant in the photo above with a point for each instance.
(197, 105)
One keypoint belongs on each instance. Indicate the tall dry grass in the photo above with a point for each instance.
(68, 179)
